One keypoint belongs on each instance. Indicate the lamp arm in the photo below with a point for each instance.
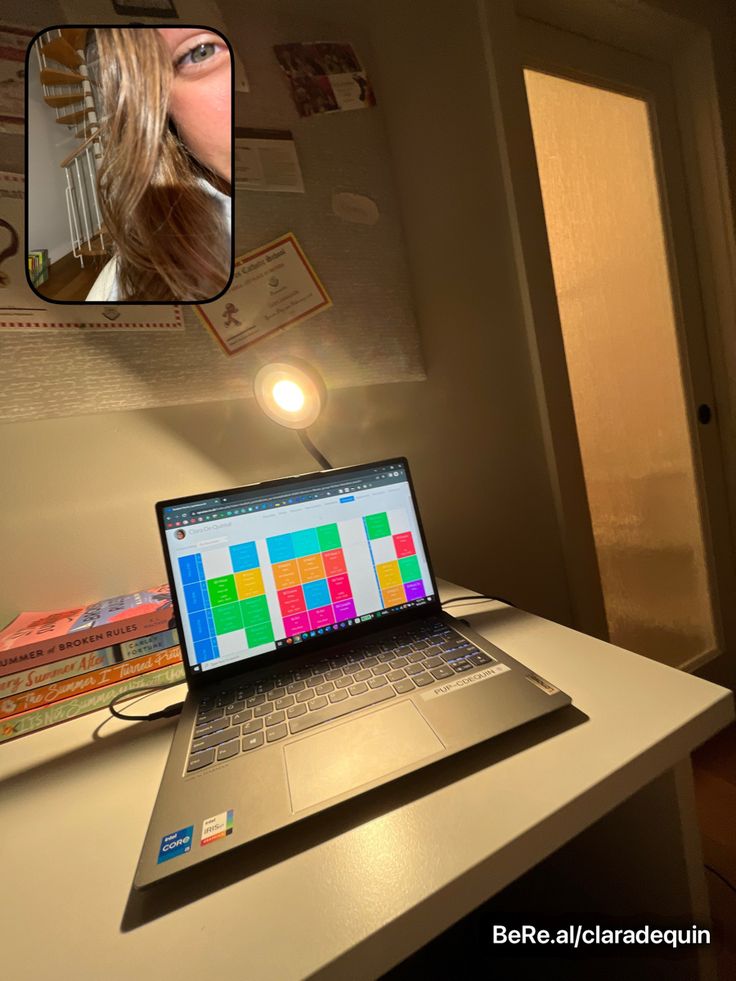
(313, 451)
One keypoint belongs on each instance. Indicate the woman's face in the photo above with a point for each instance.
(201, 93)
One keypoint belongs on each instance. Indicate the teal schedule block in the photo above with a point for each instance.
(305, 542)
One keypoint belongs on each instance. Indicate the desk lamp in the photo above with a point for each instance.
(292, 393)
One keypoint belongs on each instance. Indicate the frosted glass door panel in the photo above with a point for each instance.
(602, 208)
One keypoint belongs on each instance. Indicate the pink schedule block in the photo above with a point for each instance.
(296, 624)
(340, 588)
(404, 544)
(321, 617)
(344, 610)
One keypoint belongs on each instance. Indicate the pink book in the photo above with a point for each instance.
(39, 638)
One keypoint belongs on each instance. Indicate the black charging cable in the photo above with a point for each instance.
(475, 596)
(167, 713)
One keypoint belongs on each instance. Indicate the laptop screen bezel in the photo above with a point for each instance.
(279, 657)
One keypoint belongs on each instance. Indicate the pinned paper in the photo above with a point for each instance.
(266, 160)
(273, 287)
(355, 207)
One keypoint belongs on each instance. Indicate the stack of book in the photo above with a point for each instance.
(57, 666)
(38, 266)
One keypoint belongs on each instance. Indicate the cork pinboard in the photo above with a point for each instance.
(369, 334)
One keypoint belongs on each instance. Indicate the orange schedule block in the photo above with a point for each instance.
(334, 562)
(394, 595)
(388, 574)
(249, 583)
(311, 567)
(286, 574)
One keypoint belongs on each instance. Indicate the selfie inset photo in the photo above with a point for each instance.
(129, 159)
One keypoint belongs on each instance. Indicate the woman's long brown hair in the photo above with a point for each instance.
(171, 241)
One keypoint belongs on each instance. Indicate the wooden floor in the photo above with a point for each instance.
(69, 281)
(714, 771)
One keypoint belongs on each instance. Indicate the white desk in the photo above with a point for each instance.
(362, 887)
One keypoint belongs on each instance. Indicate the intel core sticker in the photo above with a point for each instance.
(216, 827)
(543, 685)
(177, 843)
(463, 682)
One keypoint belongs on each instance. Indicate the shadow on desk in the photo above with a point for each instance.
(112, 746)
(191, 885)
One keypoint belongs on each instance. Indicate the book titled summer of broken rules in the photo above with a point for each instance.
(33, 639)
(57, 666)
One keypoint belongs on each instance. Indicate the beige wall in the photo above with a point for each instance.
(78, 493)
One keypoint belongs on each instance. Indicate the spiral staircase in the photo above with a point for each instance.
(68, 89)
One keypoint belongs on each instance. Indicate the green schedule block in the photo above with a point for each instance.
(409, 567)
(222, 590)
(255, 610)
(261, 633)
(227, 618)
(329, 537)
(377, 525)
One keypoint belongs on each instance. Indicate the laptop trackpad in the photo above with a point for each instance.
(339, 759)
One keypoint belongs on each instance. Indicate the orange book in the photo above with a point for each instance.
(40, 638)
(48, 694)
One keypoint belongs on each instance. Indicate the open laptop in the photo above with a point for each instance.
(318, 659)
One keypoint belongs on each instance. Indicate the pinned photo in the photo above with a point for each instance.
(325, 76)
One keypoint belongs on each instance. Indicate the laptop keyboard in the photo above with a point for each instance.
(243, 719)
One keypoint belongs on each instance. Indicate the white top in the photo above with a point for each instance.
(106, 289)
(78, 797)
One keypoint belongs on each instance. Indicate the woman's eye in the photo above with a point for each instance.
(197, 55)
(201, 52)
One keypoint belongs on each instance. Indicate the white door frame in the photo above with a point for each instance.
(686, 49)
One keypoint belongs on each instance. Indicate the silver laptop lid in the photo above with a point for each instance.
(264, 571)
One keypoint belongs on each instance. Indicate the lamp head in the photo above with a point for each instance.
(291, 392)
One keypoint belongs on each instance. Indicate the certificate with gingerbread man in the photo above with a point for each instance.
(273, 287)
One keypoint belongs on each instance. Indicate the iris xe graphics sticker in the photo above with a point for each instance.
(216, 827)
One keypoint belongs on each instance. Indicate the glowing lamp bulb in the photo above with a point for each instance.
(290, 391)
(288, 395)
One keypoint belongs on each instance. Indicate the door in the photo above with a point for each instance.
(628, 292)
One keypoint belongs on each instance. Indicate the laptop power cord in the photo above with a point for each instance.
(472, 596)
(475, 596)
(167, 713)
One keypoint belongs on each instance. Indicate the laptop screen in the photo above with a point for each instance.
(262, 568)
